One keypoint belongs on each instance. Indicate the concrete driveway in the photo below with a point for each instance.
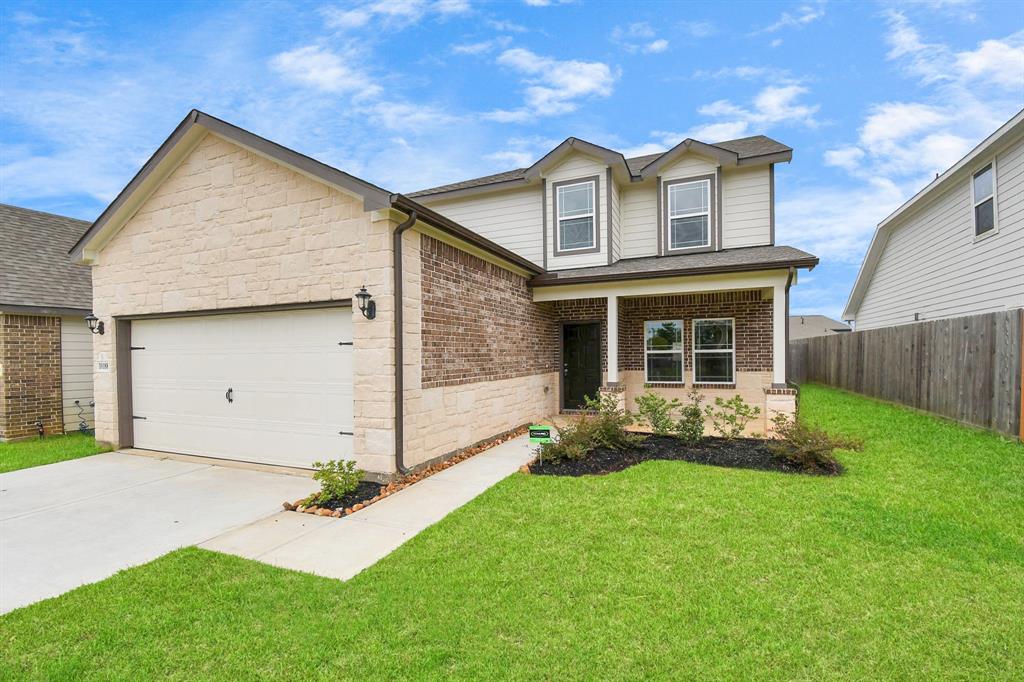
(63, 525)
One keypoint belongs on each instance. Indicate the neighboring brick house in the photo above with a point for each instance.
(45, 346)
(250, 296)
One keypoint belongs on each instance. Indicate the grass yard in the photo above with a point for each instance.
(911, 565)
(23, 454)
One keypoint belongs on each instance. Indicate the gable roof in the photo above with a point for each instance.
(747, 150)
(807, 326)
(954, 173)
(197, 125)
(37, 274)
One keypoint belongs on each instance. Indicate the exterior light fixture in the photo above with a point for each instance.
(95, 323)
(367, 306)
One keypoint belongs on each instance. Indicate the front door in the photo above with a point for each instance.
(581, 363)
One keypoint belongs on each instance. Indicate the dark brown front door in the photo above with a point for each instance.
(581, 363)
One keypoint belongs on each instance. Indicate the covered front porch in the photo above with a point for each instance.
(722, 334)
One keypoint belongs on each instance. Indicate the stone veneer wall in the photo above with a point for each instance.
(480, 356)
(30, 376)
(229, 228)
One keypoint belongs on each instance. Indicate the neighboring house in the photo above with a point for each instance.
(806, 326)
(956, 248)
(45, 346)
(229, 274)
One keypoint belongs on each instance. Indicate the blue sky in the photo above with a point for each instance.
(875, 98)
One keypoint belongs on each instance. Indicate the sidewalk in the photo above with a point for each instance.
(341, 548)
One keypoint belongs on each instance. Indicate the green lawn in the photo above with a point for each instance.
(23, 454)
(911, 565)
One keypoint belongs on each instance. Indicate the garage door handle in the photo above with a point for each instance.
(230, 395)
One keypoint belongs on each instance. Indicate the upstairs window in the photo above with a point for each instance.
(663, 351)
(689, 215)
(984, 201)
(714, 352)
(576, 216)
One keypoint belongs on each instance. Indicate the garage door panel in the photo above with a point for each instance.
(291, 385)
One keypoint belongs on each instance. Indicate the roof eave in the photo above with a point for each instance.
(609, 156)
(808, 263)
(723, 156)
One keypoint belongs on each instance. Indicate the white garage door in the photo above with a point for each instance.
(274, 388)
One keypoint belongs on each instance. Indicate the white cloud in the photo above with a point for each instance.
(995, 61)
(325, 70)
(845, 157)
(639, 37)
(390, 14)
(656, 46)
(547, 3)
(698, 29)
(553, 86)
(512, 158)
(805, 14)
(483, 46)
(771, 106)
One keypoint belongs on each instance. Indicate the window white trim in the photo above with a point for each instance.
(670, 216)
(559, 249)
(975, 201)
(732, 351)
(681, 353)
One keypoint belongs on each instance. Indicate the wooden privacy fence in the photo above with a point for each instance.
(965, 368)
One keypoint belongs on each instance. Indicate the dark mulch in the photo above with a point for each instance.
(366, 491)
(741, 453)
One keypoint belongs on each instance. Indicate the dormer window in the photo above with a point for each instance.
(576, 216)
(984, 201)
(689, 215)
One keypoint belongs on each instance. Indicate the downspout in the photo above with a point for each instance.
(789, 282)
(399, 355)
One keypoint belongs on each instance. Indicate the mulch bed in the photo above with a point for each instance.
(740, 453)
(367, 490)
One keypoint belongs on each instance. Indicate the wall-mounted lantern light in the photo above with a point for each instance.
(367, 306)
(95, 323)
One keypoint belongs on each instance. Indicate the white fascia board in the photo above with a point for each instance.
(766, 279)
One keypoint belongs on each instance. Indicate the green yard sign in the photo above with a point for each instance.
(540, 434)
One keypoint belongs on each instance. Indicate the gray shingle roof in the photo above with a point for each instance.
(732, 260)
(745, 147)
(35, 268)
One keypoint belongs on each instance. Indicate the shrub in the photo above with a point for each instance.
(808, 447)
(606, 427)
(690, 427)
(337, 478)
(732, 416)
(656, 411)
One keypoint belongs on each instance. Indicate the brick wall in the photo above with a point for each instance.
(753, 325)
(479, 321)
(31, 386)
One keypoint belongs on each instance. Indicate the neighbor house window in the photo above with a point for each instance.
(663, 349)
(714, 352)
(576, 216)
(689, 214)
(984, 201)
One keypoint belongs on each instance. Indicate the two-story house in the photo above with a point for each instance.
(955, 248)
(262, 306)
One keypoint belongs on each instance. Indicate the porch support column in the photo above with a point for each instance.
(613, 341)
(779, 350)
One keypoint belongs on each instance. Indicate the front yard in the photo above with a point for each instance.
(37, 451)
(909, 565)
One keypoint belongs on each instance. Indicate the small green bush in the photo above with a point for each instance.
(337, 478)
(604, 427)
(808, 447)
(656, 411)
(690, 427)
(731, 416)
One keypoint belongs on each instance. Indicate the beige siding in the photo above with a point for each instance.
(688, 166)
(616, 219)
(639, 220)
(578, 166)
(746, 207)
(511, 218)
(934, 266)
(76, 371)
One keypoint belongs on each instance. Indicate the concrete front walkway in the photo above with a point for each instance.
(341, 548)
(70, 523)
